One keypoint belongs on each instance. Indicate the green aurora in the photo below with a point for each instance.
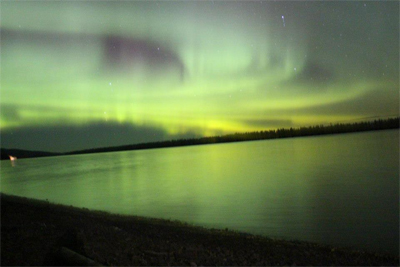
(84, 74)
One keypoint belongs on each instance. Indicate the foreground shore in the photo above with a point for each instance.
(33, 231)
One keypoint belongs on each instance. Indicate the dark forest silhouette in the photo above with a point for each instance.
(338, 128)
(381, 124)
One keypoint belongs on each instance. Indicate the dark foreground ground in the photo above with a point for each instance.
(32, 233)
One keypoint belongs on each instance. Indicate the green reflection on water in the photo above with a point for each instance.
(339, 189)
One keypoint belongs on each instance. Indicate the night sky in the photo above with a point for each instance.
(77, 75)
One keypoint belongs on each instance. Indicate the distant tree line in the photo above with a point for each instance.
(381, 124)
(19, 153)
(392, 123)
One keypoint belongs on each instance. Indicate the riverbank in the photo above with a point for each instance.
(33, 231)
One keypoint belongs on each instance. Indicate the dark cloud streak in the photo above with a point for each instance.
(268, 123)
(120, 53)
(124, 53)
(67, 138)
(314, 73)
(367, 104)
(9, 113)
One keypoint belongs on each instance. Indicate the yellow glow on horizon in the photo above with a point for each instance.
(191, 67)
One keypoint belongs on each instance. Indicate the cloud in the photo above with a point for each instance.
(76, 137)
(268, 123)
(378, 102)
(314, 73)
(69, 52)
(127, 54)
(9, 113)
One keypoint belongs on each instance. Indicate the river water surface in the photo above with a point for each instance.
(335, 189)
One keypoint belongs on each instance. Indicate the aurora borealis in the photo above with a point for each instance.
(85, 74)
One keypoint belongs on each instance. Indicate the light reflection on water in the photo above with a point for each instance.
(339, 189)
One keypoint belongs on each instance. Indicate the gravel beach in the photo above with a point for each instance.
(37, 232)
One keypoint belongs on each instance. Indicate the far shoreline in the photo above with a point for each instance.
(32, 231)
(283, 133)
